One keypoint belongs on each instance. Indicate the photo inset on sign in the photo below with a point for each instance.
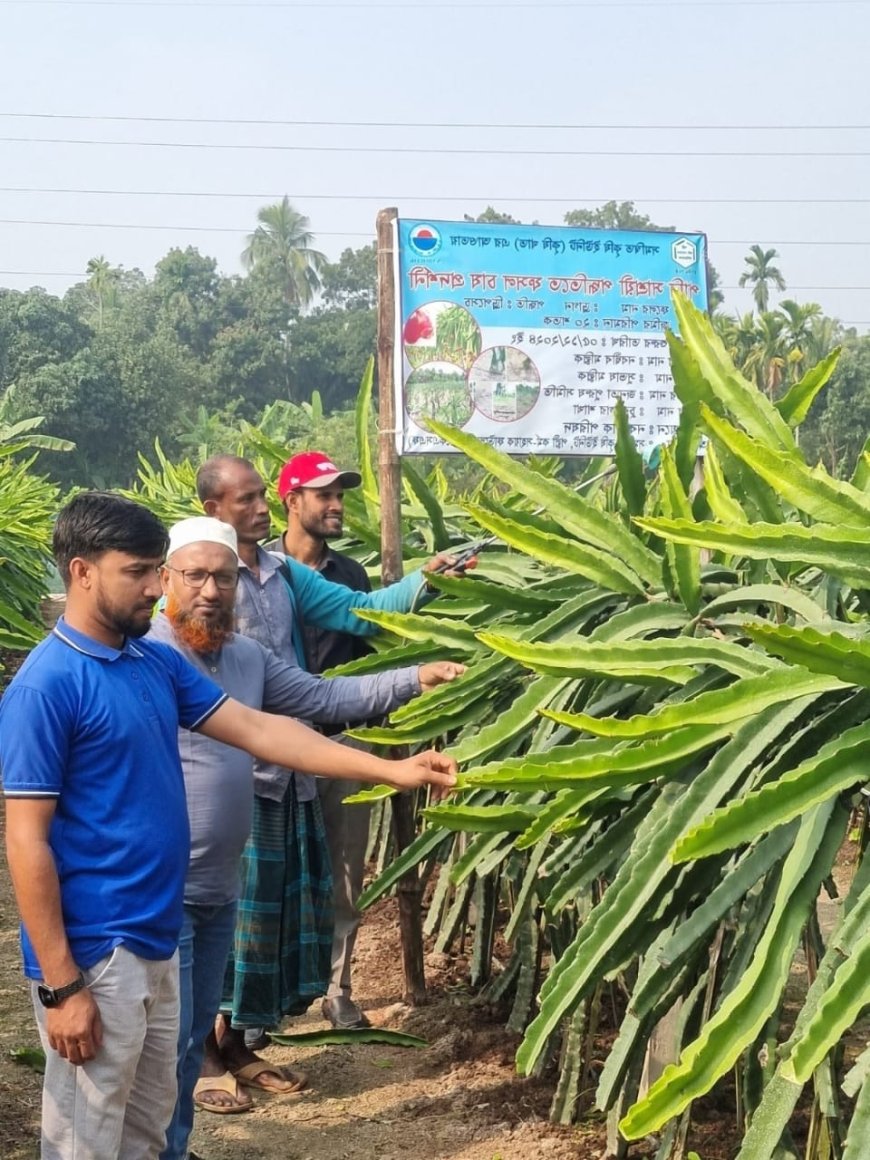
(438, 390)
(504, 383)
(441, 332)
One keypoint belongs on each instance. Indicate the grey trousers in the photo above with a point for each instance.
(118, 1105)
(347, 831)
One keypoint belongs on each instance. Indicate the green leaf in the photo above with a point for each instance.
(859, 1129)
(743, 1013)
(685, 563)
(826, 499)
(419, 653)
(657, 757)
(370, 490)
(720, 384)
(32, 1057)
(843, 657)
(665, 659)
(349, 1038)
(839, 764)
(861, 475)
(598, 566)
(430, 504)
(837, 1011)
(645, 875)
(842, 551)
(724, 507)
(494, 595)
(494, 819)
(412, 626)
(738, 701)
(369, 795)
(422, 846)
(776, 595)
(796, 402)
(576, 514)
(629, 462)
(512, 724)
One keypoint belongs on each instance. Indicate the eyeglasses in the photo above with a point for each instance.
(198, 577)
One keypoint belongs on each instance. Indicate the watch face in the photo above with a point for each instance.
(46, 995)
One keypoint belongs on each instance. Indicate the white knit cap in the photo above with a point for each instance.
(199, 530)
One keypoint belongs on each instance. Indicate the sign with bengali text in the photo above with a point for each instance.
(526, 336)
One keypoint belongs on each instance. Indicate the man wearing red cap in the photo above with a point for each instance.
(311, 488)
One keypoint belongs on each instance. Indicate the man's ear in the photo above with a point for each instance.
(164, 579)
(80, 572)
(210, 507)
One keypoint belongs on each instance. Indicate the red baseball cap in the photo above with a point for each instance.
(313, 469)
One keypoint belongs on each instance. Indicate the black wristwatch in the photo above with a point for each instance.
(51, 996)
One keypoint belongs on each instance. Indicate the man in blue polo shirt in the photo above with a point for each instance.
(97, 834)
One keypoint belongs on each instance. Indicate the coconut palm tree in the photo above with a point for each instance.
(798, 330)
(825, 334)
(768, 359)
(282, 242)
(761, 273)
(739, 333)
(102, 283)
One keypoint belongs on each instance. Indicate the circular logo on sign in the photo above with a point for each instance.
(425, 240)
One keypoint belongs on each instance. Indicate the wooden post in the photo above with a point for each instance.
(390, 479)
(389, 467)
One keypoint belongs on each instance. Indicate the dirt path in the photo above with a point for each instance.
(459, 1098)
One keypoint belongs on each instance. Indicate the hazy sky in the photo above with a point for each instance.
(659, 83)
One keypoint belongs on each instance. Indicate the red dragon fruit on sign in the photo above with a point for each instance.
(418, 326)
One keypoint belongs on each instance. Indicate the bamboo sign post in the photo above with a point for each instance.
(390, 480)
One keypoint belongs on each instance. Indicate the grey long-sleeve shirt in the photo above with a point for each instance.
(218, 778)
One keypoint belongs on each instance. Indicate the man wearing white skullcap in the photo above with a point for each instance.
(199, 582)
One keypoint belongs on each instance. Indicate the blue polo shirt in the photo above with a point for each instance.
(96, 728)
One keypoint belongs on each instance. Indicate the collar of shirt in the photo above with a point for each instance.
(90, 647)
(267, 563)
(327, 560)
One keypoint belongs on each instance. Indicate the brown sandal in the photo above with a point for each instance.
(283, 1081)
(227, 1084)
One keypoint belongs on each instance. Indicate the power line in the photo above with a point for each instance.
(410, 124)
(436, 4)
(177, 229)
(464, 198)
(438, 151)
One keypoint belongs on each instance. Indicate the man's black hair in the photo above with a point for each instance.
(209, 478)
(94, 522)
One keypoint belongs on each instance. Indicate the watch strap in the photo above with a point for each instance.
(56, 995)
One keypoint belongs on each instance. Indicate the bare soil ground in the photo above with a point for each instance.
(457, 1099)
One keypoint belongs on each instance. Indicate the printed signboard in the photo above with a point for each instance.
(527, 335)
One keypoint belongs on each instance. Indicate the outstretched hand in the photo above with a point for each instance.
(427, 768)
(439, 673)
(444, 563)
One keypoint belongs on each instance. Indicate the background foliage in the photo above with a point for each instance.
(121, 358)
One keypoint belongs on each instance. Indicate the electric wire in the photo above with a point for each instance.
(388, 197)
(333, 124)
(435, 151)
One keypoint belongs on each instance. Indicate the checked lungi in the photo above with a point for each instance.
(281, 959)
